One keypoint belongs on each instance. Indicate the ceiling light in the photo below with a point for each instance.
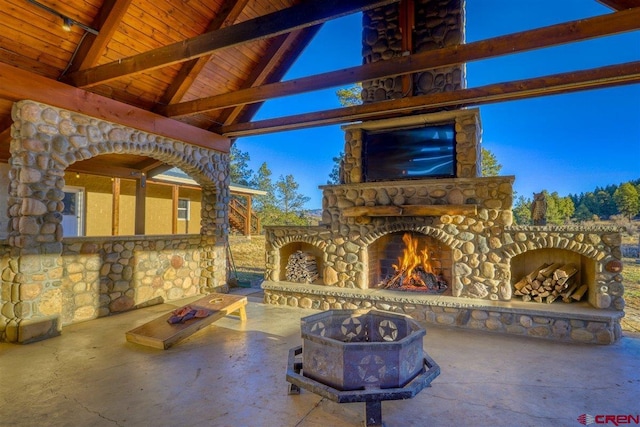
(67, 22)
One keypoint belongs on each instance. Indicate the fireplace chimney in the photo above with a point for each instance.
(405, 28)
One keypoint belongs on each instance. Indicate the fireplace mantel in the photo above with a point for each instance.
(410, 210)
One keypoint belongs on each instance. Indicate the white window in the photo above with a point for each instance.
(183, 209)
(73, 212)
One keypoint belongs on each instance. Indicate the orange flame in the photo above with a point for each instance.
(412, 258)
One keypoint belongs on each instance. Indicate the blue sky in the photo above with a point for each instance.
(565, 143)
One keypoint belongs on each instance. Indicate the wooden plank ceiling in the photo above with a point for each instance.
(191, 69)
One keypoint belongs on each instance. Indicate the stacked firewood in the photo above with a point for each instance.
(549, 282)
(302, 268)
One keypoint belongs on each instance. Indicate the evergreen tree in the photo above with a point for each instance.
(627, 200)
(559, 209)
(583, 213)
(239, 170)
(350, 96)
(263, 182)
(603, 204)
(287, 196)
(522, 211)
(490, 165)
(334, 176)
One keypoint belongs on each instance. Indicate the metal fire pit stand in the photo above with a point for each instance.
(372, 397)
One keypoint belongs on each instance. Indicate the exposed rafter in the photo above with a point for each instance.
(303, 15)
(548, 85)
(228, 14)
(554, 35)
(272, 68)
(92, 47)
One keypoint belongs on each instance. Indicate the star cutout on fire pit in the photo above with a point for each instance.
(371, 368)
(319, 329)
(388, 330)
(351, 327)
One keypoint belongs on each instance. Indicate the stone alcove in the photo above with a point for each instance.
(45, 141)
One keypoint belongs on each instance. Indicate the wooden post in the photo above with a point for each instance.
(141, 196)
(115, 203)
(247, 220)
(175, 197)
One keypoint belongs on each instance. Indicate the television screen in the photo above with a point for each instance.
(409, 153)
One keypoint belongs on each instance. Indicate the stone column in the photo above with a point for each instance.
(215, 231)
(32, 279)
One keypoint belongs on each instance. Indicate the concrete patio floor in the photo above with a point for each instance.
(233, 374)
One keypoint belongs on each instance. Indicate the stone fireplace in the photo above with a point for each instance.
(420, 175)
(464, 223)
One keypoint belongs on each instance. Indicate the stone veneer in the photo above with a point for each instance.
(486, 249)
(45, 141)
(104, 276)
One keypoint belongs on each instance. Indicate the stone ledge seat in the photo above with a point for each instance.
(578, 322)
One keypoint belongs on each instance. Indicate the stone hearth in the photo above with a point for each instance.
(469, 219)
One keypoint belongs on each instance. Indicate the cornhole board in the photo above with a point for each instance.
(161, 334)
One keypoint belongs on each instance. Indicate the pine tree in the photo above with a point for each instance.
(334, 176)
(239, 170)
(627, 200)
(490, 165)
(522, 211)
(263, 182)
(287, 196)
(350, 96)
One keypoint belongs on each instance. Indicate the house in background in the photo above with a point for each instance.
(96, 205)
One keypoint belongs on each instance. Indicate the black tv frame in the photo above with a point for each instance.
(416, 152)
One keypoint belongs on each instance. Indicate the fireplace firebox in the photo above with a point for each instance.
(410, 262)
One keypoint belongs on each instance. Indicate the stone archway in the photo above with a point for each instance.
(45, 141)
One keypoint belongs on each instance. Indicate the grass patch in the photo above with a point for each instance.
(249, 258)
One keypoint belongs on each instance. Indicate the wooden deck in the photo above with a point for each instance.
(159, 333)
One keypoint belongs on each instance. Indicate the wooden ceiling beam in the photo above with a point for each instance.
(105, 169)
(509, 91)
(583, 29)
(261, 72)
(229, 13)
(274, 65)
(620, 4)
(303, 15)
(147, 164)
(92, 47)
(17, 84)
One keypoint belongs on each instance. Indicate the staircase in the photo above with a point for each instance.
(238, 219)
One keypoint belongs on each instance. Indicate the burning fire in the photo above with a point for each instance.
(411, 258)
(414, 268)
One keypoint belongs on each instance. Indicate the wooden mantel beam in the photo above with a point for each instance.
(306, 14)
(548, 85)
(583, 29)
(17, 84)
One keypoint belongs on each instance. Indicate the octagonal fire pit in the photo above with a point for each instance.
(361, 356)
(351, 350)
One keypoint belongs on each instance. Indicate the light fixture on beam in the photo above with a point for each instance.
(67, 22)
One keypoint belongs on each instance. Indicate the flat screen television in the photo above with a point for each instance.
(409, 153)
